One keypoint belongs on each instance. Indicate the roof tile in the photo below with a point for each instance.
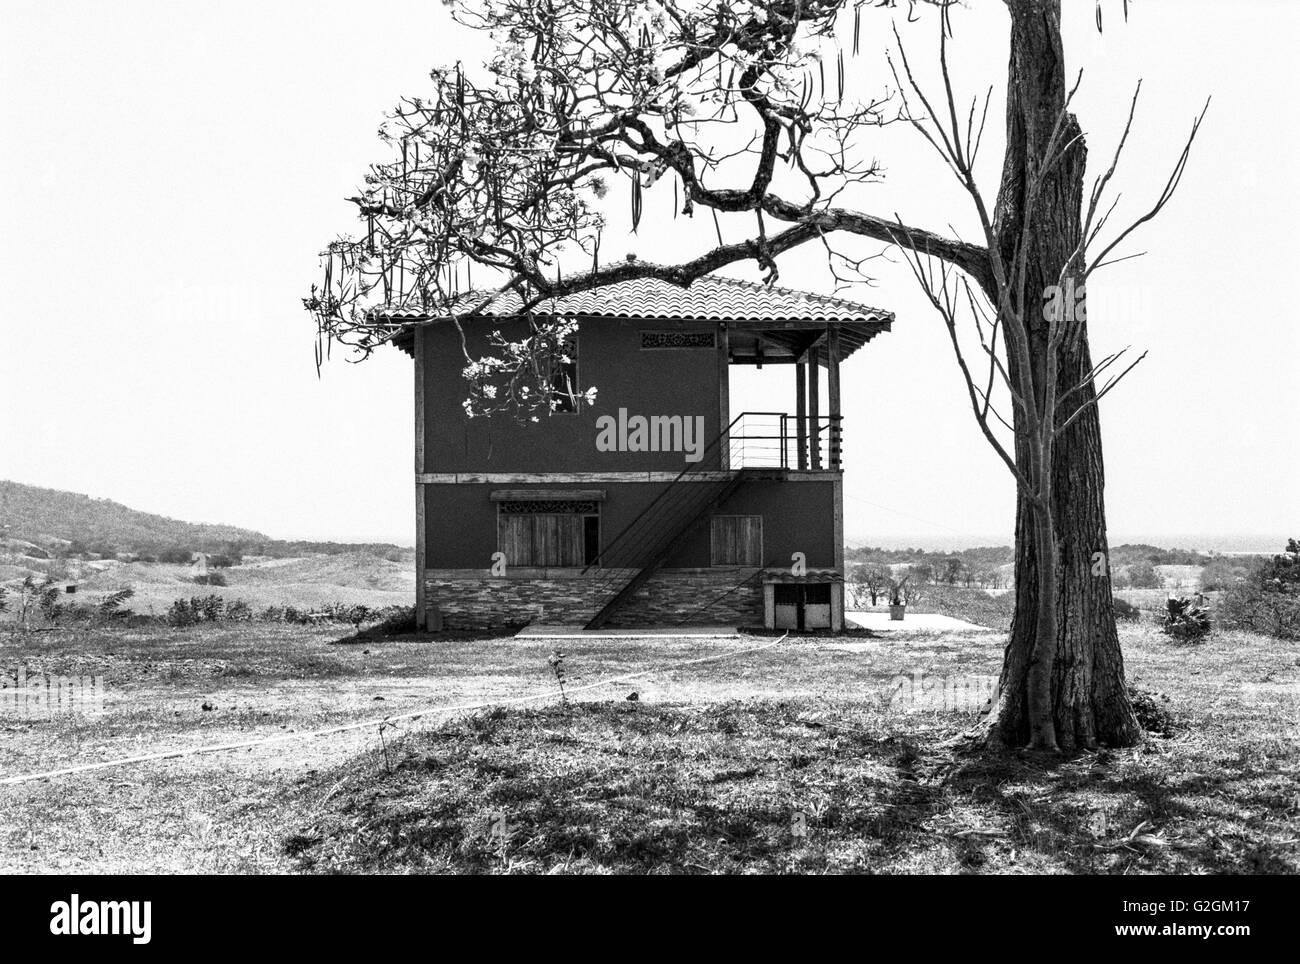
(710, 297)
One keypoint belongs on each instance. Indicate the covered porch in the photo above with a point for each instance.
(807, 439)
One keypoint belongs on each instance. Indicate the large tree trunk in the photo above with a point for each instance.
(1091, 704)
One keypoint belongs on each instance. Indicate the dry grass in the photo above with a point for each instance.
(712, 768)
(359, 578)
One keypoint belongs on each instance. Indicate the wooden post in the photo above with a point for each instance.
(724, 396)
(814, 409)
(420, 468)
(833, 390)
(801, 413)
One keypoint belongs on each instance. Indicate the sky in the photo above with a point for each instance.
(173, 171)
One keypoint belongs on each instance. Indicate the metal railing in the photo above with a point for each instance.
(782, 440)
(753, 440)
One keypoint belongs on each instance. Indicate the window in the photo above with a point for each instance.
(553, 532)
(737, 540)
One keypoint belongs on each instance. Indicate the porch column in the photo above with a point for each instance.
(833, 389)
(421, 609)
(814, 410)
(801, 413)
(724, 396)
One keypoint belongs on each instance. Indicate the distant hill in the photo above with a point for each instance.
(72, 524)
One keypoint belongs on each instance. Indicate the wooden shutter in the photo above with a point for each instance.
(737, 540)
(541, 538)
(515, 538)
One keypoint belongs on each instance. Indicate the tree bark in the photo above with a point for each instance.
(1090, 698)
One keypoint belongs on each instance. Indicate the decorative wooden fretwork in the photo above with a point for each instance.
(677, 339)
(550, 507)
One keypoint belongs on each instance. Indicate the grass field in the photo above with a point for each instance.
(304, 582)
(803, 757)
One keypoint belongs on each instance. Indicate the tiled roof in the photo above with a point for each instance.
(710, 297)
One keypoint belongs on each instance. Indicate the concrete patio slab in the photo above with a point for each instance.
(535, 631)
(879, 622)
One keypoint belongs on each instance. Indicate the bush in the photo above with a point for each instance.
(181, 614)
(973, 605)
(1143, 575)
(1186, 619)
(1268, 599)
(1224, 573)
(1152, 711)
(1250, 606)
(1125, 610)
(211, 579)
(196, 609)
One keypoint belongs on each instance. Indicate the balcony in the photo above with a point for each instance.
(779, 440)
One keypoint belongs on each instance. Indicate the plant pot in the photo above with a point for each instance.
(896, 612)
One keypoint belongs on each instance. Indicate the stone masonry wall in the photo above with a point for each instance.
(471, 599)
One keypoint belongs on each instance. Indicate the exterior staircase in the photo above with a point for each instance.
(685, 505)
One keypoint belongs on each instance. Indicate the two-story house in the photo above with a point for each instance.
(659, 504)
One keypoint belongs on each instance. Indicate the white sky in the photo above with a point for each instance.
(172, 170)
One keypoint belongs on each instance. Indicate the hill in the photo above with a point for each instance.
(37, 523)
(72, 523)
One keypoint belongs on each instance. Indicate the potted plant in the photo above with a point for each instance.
(899, 594)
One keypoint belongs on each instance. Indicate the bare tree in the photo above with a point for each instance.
(737, 108)
(871, 581)
(1044, 406)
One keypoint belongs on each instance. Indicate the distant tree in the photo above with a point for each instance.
(1143, 575)
(874, 580)
(950, 570)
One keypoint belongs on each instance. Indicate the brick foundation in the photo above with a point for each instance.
(471, 599)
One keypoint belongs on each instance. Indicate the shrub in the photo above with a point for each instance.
(1143, 575)
(110, 607)
(210, 608)
(1224, 573)
(1268, 599)
(181, 614)
(1186, 619)
(239, 610)
(187, 612)
(211, 579)
(1283, 573)
(1250, 606)
(1152, 711)
(1125, 610)
(396, 620)
(49, 604)
(973, 605)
